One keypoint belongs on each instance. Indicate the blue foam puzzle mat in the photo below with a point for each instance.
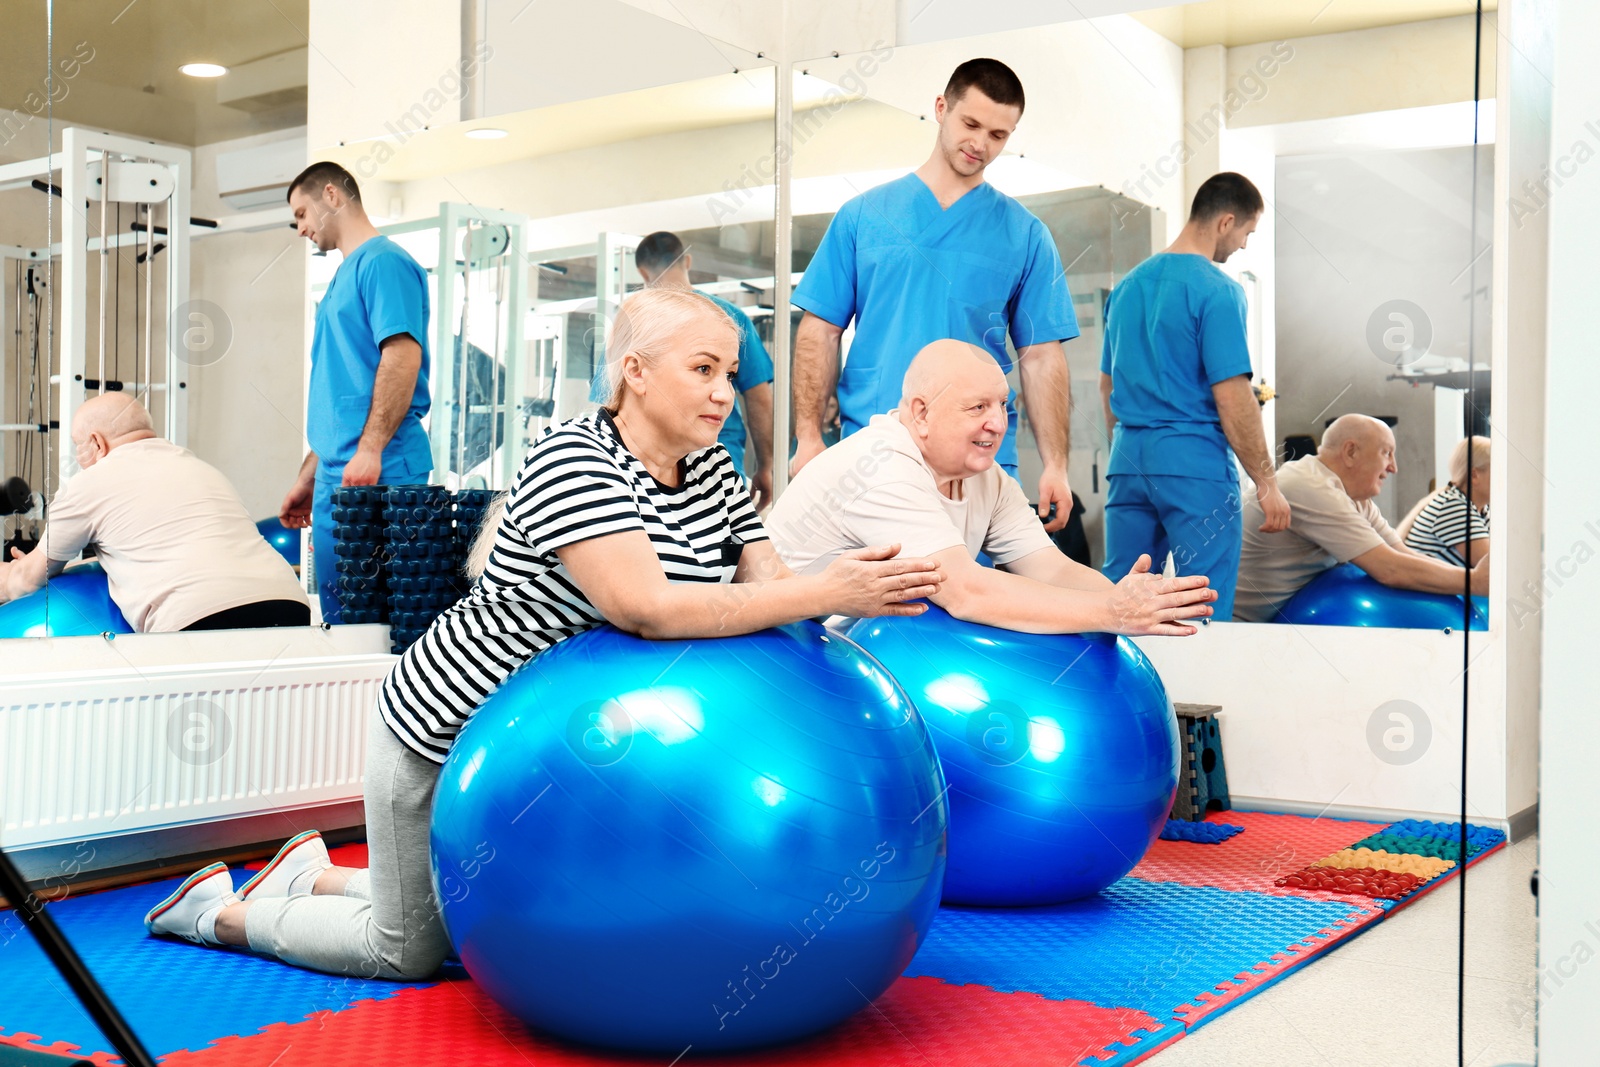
(143, 975)
(1190, 938)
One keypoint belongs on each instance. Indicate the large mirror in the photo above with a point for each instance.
(1363, 290)
(148, 283)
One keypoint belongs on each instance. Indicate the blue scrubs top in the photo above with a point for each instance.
(1175, 326)
(910, 273)
(755, 368)
(377, 293)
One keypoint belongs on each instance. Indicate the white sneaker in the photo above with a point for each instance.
(191, 911)
(293, 871)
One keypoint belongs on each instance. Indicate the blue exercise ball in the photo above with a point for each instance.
(725, 843)
(1061, 752)
(1347, 596)
(280, 537)
(75, 603)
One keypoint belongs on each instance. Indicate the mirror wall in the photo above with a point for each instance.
(1367, 292)
(524, 184)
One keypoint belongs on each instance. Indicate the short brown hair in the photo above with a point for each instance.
(313, 178)
(990, 77)
(1226, 194)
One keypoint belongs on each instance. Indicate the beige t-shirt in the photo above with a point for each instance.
(874, 488)
(175, 539)
(1326, 528)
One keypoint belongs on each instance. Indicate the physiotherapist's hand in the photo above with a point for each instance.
(364, 468)
(871, 581)
(1053, 489)
(1274, 507)
(761, 489)
(1148, 604)
(295, 511)
(805, 450)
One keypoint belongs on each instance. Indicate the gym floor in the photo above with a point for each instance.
(1389, 996)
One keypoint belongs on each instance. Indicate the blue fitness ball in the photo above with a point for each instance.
(1061, 752)
(1347, 596)
(721, 843)
(75, 603)
(280, 537)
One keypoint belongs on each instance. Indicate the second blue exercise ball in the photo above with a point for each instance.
(1347, 596)
(75, 603)
(1061, 752)
(720, 843)
(281, 538)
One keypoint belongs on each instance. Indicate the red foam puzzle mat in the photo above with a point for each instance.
(918, 1022)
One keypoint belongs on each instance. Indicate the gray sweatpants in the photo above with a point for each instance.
(386, 925)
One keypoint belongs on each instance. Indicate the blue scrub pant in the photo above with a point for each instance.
(1197, 519)
(394, 473)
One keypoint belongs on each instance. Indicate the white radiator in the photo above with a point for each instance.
(124, 750)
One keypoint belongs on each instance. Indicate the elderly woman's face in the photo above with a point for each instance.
(689, 391)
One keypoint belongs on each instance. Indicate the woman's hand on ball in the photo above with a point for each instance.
(1146, 603)
(873, 581)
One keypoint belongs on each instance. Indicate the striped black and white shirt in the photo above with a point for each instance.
(578, 482)
(1445, 521)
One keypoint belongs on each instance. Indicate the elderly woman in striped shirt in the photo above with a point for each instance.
(632, 515)
(1443, 524)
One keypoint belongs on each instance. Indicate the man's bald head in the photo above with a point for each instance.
(953, 401)
(113, 415)
(946, 367)
(1362, 429)
(103, 422)
(1360, 450)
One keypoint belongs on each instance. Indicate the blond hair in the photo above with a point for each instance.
(1479, 447)
(647, 325)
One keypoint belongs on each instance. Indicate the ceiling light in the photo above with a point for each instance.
(203, 70)
(486, 133)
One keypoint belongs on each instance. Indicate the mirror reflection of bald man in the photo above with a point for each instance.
(924, 476)
(179, 549)
(1333, 520)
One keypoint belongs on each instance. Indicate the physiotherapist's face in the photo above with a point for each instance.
(1236, 238)
(314, 219)
(974, 130)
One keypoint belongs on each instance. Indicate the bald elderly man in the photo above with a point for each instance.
(924, 477)
(1332, 520)
(179, 549)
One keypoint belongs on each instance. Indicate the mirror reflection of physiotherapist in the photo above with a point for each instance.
(369, 365)
(1175, 380)
(938, 254)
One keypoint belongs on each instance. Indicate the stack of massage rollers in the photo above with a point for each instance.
(401, 549)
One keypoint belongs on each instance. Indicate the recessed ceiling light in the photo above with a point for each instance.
(486, 133)
(203, 70)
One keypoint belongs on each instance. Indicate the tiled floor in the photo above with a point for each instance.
(1389, 997)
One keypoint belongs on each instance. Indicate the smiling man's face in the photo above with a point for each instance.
(958, 407)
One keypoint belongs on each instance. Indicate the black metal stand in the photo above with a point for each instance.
(30, 909)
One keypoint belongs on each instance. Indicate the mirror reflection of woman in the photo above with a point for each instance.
(632, 515)
(1444, 525)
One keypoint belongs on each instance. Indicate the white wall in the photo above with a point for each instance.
(246, 411)
(1299, 703)
(1411, 65)
(1569, 986)
(372, 64)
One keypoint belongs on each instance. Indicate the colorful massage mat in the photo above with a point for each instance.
(1215, 913)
